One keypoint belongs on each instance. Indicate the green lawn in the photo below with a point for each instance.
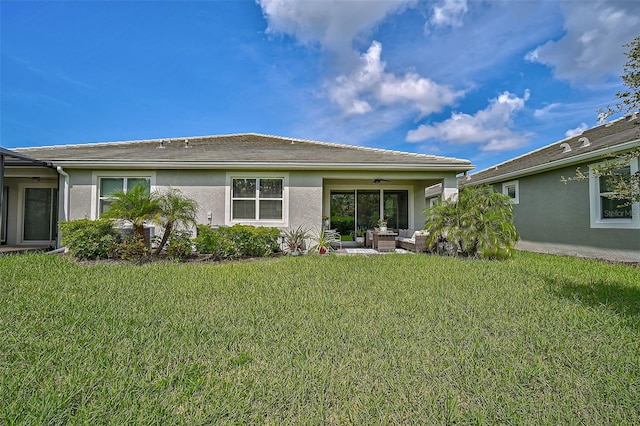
(394, 339)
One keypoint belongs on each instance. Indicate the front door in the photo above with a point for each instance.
(40, 214)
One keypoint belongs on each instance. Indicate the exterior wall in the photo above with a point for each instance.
(420, 204)
(552, 212)
(308, 191)
(79, 194)
(208, 189)
(305, 200)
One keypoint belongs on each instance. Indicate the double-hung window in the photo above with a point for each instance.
(257, 199)
(608, 212)
(110, 185)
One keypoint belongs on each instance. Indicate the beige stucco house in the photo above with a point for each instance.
(243, 178)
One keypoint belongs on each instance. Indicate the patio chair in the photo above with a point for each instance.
(334, 237)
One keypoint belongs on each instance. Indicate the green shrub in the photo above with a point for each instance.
(237, 241)
(251, 241)
(89, 239)
(132, 248)
(214, 242)
(180, 246)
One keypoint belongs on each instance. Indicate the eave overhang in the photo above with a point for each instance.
(597, 155)
(195, 165)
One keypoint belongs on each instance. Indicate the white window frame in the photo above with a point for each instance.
(595, 203)
(516, 185)
(282, 222)
(95, 184)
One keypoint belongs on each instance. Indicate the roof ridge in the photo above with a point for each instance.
(284, 138)
(558, 142)
(359, 147)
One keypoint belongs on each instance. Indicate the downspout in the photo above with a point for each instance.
(65, 200)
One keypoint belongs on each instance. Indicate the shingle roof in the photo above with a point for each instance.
(238, 150)
(596, 142)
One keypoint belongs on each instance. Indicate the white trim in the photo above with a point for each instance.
(516, 185)
(252, 166)
(595, 204)
(283, 223)
(22, 187)
(95, 181)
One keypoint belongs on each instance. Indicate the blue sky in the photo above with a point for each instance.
(480, 80)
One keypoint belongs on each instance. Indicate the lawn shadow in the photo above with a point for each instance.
(624, 300)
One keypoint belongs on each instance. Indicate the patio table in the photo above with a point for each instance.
(384, 240)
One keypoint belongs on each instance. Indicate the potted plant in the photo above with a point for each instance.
(325, 221)
(359, 235)
(294, 239)
(322, 241)
(382, 225)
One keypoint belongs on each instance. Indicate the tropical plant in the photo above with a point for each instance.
(175, 210)
(322, 240)
(295, 239)
(478, 224)
(135, 206)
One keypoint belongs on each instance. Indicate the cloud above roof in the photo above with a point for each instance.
(332, 23)
(370, 84)
(592, 46)
(449, 13)
(489, 127)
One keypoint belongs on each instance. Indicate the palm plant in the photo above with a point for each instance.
(322, 240)
(295, 239)
(478, 224)
(175, 210)
(136, 206)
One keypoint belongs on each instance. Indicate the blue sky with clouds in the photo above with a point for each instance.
(480, 80)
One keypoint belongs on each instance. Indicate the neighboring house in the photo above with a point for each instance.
(246, 178)
(574, 218)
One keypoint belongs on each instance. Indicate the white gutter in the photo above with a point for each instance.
(65, 194)
(158, 165)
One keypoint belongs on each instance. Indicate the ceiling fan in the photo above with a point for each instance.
(381, 180)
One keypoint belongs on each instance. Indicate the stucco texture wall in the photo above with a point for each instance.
(207, 188)
(553, 212)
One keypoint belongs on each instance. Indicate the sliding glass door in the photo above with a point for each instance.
(4, 211)
(40, 214)
(362, 208)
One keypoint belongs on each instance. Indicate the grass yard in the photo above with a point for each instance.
(394, 339)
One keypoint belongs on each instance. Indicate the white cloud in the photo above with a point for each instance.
(332, 23)
(578, 130)
(369, 86)
(592, 45)
(547, 110)
(489, 127)
(450, 13)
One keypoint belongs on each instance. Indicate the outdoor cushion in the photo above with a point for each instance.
(417, 233)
